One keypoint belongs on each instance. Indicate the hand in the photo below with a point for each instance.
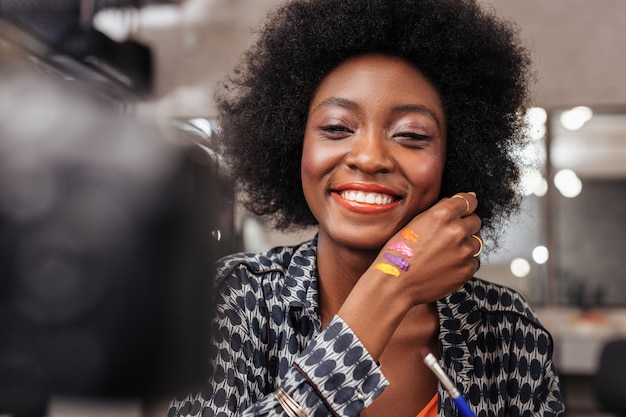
(441, 261)
(435, 253)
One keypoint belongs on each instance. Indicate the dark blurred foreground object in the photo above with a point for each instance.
(610, 379)
(67, 27)
(107, 244)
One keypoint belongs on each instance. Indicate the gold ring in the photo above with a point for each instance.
(480, 249)
(467, 204)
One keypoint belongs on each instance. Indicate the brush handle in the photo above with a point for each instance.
(463, 407)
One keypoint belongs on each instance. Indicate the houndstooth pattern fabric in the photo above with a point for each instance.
(267, 334)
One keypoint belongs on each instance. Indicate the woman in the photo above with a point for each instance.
(391, 125)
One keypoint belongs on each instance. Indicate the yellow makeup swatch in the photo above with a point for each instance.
(388, 269)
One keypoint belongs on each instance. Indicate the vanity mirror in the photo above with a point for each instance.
(568, 243)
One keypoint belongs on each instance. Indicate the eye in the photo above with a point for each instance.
(412, 138)
(336, 131)
(411, 135)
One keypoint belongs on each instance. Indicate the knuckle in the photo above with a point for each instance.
(442, 212)
(458, 232)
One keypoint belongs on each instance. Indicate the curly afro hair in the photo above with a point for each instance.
(473, 57)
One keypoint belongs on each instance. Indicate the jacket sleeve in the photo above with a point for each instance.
(550, 401)
(333, 375)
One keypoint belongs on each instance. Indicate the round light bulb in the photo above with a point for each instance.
(520, 267)
(568, 183)
(541, 254)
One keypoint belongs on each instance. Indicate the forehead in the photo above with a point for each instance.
(379, 78)
(378, 85)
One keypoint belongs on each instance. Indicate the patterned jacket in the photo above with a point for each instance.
(267, 334)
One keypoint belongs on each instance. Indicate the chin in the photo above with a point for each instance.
(363, 238)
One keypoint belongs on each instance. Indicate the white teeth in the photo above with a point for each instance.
(369, 198)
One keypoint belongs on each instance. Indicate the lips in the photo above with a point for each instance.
(366, 198)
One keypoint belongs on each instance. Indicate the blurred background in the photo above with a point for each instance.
(158, 61)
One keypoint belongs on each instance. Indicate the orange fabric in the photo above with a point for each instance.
(431, 408)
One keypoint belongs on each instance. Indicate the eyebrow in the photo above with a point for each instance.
(336, 101)
(416, 108)
(403, 108)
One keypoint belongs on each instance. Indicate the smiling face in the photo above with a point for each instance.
(374, 150)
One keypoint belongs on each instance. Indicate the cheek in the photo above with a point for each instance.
(311, 169)
(308, 163)
(429, 177)
(318, 159)
(436, 168)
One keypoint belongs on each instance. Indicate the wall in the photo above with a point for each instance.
(579, 48)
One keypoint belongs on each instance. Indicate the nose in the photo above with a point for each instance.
(369, 153)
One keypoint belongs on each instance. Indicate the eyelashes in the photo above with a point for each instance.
(335, 128)
(411, 136)
(336, 131)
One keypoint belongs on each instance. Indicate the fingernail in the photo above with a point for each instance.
(472, 193)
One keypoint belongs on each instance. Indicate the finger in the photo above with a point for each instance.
(477, 263)
(473, 222)
(466, 203)
(479, 245)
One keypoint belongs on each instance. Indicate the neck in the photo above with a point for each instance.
(339, 269)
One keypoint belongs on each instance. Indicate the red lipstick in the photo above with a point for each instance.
(366, 207)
